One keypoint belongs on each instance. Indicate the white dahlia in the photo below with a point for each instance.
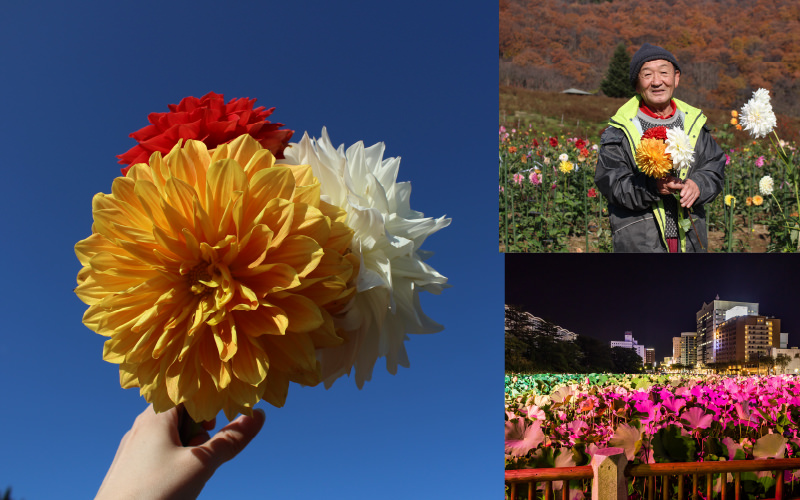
(765, 185)
(387, 238)
(757, 116)
(761, 95)
(679, 148)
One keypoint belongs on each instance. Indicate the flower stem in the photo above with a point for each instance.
(779, 205)
(695, 230)
(505, 198)
(585, 211)
(187, 428)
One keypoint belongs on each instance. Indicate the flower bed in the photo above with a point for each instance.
(561, 421)
(548, 200)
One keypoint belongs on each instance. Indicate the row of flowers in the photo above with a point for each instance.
(227, 262)
(677, 419)
(655, 419)
(529, 164)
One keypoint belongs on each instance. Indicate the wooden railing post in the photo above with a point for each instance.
(609, 483)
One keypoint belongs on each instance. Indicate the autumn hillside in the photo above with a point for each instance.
(726, 49)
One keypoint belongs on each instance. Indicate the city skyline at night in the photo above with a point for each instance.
(603, 296)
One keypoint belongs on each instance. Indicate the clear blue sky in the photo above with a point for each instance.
(421, 76)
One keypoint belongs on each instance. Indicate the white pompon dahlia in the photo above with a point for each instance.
(757, 116)
(765, 185)
(679, 148)
(761, 95)
(387, 237)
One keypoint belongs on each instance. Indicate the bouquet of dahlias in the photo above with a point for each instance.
(226, 263)
(664, 151)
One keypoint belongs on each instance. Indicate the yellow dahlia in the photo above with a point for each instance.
(652, 159)
(566, 166)
(730, 200)
(757, 200)
(215, 275)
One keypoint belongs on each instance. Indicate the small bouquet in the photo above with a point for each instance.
(664, 151)
(226, 263)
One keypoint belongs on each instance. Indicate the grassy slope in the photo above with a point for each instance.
(586, 116)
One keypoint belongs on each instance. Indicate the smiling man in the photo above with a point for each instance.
(667, 214)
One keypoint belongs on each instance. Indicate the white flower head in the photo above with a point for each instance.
(757, 116)
(761, 95)
(563, 157)
(765, 185)
(679, 148)
(387, 239)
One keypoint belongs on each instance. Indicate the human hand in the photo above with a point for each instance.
(668, 185)
(689, 193)
(151, 462)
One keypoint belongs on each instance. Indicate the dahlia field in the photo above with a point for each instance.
(562, 420)
(549, 203)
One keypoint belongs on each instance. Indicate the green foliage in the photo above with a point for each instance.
(534, 347)
(617, 81)
(670, 445)
(626, 360)
(544, 205)
(531, 348)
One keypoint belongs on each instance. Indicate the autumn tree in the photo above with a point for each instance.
(617, 81)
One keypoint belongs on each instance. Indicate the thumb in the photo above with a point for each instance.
(233, 438)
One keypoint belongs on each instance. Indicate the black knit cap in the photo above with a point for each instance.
(647, 53)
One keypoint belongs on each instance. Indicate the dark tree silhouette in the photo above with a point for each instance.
(617, 81)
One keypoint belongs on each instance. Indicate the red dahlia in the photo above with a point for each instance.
(207, 119)
(656, 133)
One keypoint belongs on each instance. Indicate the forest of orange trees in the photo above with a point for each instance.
(726, 48)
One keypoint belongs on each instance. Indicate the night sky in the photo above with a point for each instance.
(654, 296)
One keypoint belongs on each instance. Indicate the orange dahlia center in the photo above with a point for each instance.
(196, 278)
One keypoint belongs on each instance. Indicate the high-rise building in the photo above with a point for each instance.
(709, 317)
(649, 355)
(688, 348)
(746, 338)
(676, 349)
(630, 343)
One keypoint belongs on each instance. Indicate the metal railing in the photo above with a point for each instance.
(610, 474)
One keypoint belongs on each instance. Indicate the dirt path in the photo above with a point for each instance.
(746, 241)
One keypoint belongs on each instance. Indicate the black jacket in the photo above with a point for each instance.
(631, 194)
